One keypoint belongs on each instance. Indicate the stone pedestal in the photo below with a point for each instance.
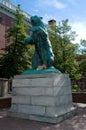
(3, 87)
(42, 97)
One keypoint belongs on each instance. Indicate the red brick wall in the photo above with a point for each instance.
(5, 102)
(6, 22)
(79, 97)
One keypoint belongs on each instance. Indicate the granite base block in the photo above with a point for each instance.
(42, 97)
(46, 119)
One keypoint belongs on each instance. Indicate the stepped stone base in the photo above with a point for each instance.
(42, 97)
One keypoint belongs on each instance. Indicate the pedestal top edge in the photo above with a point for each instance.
(47, 75)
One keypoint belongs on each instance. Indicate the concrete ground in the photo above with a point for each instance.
(78, 122)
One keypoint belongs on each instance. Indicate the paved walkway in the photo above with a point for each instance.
(78, 122)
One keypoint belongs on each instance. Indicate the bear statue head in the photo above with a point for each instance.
(37, 21)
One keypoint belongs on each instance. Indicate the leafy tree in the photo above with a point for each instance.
(83, 65)
(83, 46)
(17, 56)
(61, 37)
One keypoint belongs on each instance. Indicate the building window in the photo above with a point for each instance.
(1, 20)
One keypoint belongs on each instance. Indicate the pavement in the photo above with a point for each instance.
(77, 122)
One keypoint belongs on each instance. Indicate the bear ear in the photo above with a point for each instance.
(41, 18)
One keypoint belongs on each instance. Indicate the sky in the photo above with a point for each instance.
(73, 10)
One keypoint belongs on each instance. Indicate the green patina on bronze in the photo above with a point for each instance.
(49, 70)
(43, 54)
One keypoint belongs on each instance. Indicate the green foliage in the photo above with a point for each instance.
(75, 88)
(83, 65)
(83, 46)
(17, 57)
(61, 37)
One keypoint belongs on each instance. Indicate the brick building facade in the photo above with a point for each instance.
(7, 10)
(6, 22)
